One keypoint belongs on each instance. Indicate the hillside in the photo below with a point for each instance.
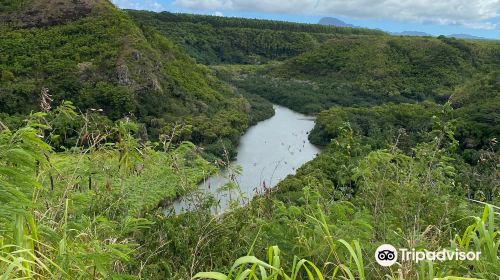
(363, 71)
(117, 148)
(408, 66)
(91, 53)
(214, 40)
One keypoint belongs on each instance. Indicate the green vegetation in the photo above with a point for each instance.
(377, 125)
(260, 108)
(477, 104)
(11, 5)
(103, 61)
(249, 267)
(213, 40)
(359, 71)
(91, 212)
(354, 192)
(77, 214)
(106, 119)
(476, 119)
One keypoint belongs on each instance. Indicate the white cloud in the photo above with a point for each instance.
(219, 14)
(469, 13)
(150, 5)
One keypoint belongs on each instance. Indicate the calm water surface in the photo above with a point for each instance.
(268, 152)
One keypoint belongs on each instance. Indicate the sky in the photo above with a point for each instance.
(437, 17)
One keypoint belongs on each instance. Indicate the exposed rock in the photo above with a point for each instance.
(84, 66)
(123, 75)
(158, 65)
(141, 71)
(155, 85)
(136, 54)
(470, 143)
(40, 13)
(201, 106)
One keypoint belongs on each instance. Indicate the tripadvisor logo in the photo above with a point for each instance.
(387, 255)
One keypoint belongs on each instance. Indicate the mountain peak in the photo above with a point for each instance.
(466, 37)
(334, 22)
(411, 33)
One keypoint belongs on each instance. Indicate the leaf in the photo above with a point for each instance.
(211, 275)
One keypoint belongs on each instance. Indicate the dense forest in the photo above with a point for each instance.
(354, 71)
(108, 116)
(105, 62)
(214, 40)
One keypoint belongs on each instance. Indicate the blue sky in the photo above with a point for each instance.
(437, 17)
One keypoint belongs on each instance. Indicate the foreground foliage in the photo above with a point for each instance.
(90, 212)
(76, 215)
(250, 267)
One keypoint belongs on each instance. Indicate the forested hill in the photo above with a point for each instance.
(212, 39)
(93, 54)
(371, 70)
(395, 64)
(310, 68)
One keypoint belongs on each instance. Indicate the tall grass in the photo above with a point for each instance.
(21, 154)
(78, 214)
(250, 267)
(482, 235)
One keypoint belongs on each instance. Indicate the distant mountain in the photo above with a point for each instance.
(331, 21)
(334, 22)
(418, 33)
(410, 33)
(466, 37)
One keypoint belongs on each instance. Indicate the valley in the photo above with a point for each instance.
(144, 145)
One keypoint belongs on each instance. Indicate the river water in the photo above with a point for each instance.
(268, 152)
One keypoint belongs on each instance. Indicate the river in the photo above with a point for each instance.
(267, 153)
